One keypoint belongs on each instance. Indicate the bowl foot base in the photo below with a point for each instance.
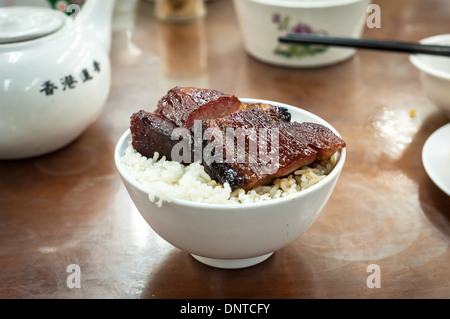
(232, 263)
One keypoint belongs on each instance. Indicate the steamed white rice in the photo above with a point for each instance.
(169, 180)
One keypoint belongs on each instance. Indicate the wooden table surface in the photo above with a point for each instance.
(70, 206)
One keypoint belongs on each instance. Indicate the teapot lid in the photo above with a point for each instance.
(19, 24)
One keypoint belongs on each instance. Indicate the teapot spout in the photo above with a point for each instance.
(96, 17)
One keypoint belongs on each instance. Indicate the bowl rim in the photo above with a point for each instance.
(424, 67)
(307, 4)
(334, 174)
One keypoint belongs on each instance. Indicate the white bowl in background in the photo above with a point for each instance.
(233, 236)
(263, 21)
(435, 73)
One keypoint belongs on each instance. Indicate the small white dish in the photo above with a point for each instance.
(236, 235)
(436, 158)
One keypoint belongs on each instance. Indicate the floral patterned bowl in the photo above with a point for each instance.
(263, 21)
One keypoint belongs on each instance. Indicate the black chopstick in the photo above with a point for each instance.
(371, 44)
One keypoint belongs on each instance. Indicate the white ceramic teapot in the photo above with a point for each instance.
(54, 75)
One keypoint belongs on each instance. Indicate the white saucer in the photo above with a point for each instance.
(436, 158)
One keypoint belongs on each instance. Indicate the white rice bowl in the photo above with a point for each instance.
(226, 229)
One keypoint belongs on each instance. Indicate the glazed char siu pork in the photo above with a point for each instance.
(318, 137)
(257, 167)
(152, 133)
(243, 158)
(184, 105)
(278, 113)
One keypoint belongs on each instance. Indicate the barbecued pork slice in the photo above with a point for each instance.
(318, 137)
(278, 113)
(153, 133)
(184, 105)
(255, 149)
